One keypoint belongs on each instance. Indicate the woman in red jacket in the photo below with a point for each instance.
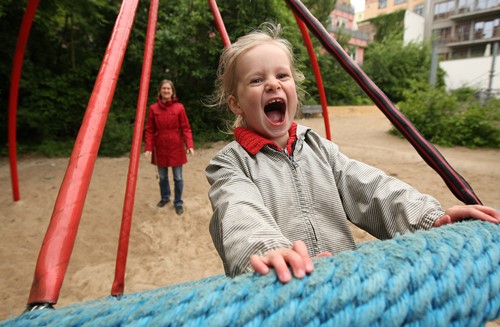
(167, 136)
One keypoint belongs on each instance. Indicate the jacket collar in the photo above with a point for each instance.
(166, 104)
(253, 142)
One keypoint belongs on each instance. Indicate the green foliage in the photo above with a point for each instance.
(68, 40)
(117, 138)
(453, 119)
(389, 26)
(394, 67)
(340, 88)
(66, 47)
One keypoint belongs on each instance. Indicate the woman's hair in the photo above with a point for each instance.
(225, 84)
(174, 94)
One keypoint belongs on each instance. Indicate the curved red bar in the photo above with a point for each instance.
(220, 23)
(135, 153)
(317, 74)
(15, 78)
(60, 237)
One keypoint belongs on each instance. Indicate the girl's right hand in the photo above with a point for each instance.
(297, 257)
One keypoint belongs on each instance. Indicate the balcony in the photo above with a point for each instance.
(460, 41)
(468, 13)
(355, 34)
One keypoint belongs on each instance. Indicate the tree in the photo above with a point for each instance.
(60, 65)
(391, 64)
(66, 47)
(394, 66)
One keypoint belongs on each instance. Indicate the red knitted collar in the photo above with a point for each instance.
(253, 142)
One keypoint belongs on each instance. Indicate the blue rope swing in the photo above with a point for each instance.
(447, 276)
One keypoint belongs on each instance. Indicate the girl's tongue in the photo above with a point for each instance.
(275, 116)
(275, 111)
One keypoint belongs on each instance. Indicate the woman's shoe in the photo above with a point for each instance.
(179, 210)
(162, 203)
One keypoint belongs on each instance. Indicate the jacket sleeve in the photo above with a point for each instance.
(241, 224)
(149, 131)
(381, 204)
(187, 134)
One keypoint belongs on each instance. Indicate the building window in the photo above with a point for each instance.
(487, 29)
(486, 4)
(398, 2)
(443, 35)
(465, 6)
(496, 28)
(481, 4)
(341, 23)
(491, 28)
(444, 9)
(382, 4)
(462, 32)
(459, 54)
(419, 9)
(351, 50)
(478, 30)
(477, 51)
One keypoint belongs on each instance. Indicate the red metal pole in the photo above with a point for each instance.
(60, 237)
(135, 152)
(317, 73)
(15, 78)
(220, 23)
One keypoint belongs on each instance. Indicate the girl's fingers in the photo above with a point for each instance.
(306, 265)
(259, 265)
(277, 260)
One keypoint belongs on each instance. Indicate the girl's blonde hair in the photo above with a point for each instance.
(174, 94)
(225, 84)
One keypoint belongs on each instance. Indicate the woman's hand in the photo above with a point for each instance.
(147, 155)
(297, 257)
(458, 213)
(190, 151)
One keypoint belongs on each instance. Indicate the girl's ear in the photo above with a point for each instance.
(233, 105)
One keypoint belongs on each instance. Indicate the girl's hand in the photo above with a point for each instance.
(297, 257)
(458, 213)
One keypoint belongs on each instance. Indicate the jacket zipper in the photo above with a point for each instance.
(295, 165)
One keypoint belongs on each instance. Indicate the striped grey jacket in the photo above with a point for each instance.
(270, 200)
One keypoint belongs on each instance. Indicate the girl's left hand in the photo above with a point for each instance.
(458, 213)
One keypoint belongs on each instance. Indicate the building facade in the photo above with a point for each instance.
(375, 8)
(465, 35)
(342, 22)
(464, 28)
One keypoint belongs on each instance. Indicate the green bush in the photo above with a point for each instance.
(454, 118)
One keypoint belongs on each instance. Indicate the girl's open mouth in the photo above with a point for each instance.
(275, 111)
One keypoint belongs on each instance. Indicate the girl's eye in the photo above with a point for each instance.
(256, 80)
(282, 76)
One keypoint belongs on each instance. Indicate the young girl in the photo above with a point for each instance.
(282, 194)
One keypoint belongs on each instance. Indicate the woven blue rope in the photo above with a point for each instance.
(446, 276)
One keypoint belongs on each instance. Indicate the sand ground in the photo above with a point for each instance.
(166, 249)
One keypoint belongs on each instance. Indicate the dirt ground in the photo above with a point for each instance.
(167, 249)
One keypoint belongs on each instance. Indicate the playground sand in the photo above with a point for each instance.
(167, 249)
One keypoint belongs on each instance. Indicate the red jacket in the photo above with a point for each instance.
(168, 133)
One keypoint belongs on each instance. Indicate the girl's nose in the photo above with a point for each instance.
(272, 85)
